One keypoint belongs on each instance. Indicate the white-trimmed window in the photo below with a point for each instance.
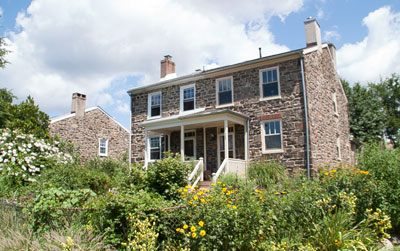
(154, 106)
(338, 147)
(334, 101)
(224, 91)
(103, 147)
(188, 98)
(271, 136)
(155, 147)
(269, 83)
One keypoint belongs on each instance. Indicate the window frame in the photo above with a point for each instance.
(191, 137)
(335, 106)
(105, 146)
(150, 95)
(159, 147)
(182, 89)
(218, 105)
(261, 83)
(230, 132)
(339, 154)
(263, 135)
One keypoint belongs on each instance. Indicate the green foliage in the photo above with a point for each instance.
(113, 211)
(25, 117)
(3, 52)
(367, 119)
(166, 176)
(384, 167)
(47, 209)
(265, 174)
(23, 157)
(389, 93)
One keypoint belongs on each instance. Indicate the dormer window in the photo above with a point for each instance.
(224, 91)
(188, 98)
(269, 83)
(154, 106)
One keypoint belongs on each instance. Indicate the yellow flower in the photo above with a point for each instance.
(192, 228)
(230, 202)
(219, 182)
(333, 171)
(195, 197)
(186, 186)
(228, 193)
(201, 223)
(224, 189)
(185, 226)
(326, 173)
(228, 205)
(178, 229)
(194, 235)
(123, 244)
(363, 172)
(182, 231)
(185, 190)
(283, 192)
(202, 200)
(234, 207)
(260, 197)
(202, 232)
(277, 193)
(212, 184)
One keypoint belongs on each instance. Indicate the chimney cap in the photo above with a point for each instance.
(167, 56)
(310, 19)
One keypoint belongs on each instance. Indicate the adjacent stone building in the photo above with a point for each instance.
(92, 131)
(290, 107)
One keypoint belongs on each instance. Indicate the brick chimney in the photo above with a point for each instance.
(167, 66)
(78, 104)
(313, 33)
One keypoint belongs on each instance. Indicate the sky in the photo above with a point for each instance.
(103, 48)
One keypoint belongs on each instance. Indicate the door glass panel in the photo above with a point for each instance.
(189, 148)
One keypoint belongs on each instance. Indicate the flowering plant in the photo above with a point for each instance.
(23, 156)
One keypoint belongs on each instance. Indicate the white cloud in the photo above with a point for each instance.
(1, 11)
(320, 13)
(67, 46)
(331, 35)
(378, 54)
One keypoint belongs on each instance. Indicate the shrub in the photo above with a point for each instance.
(265, 174)
(166, 176)
(22, 158)
(383, 165)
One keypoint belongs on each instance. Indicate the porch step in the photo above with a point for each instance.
(205, 184)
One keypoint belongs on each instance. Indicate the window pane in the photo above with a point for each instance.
(154, 142)
(221, 143)
(155, 99)
(155, 154)
(188, 105)
(225, 97)
(270, 90)
(269, 76)
(274, 75)
(277, 127)
(273, 142)
(230, 140)
(264, 77)
(188, 93)
(267, 128)
(102, 150)
(272, 127)
(155, 111)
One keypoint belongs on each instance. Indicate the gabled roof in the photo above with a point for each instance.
(71, 115)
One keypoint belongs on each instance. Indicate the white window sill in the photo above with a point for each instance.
(224, 105)
(273, 151)
(270, 98)
(103, 155)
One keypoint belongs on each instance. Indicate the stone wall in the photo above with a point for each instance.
(322, 82)
(85, 133)
(247, 102)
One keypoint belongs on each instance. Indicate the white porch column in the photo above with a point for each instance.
(146, 148)
(183, 142)
(226, 140)
(205, 148)
(169, 142)
(246, 143)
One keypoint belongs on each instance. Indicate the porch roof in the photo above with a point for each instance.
(203, 118)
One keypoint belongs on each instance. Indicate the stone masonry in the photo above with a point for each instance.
(84, 132)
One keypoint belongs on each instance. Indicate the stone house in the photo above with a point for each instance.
(290, 107)
(92, 131)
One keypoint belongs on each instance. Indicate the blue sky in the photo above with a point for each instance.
(103, 48)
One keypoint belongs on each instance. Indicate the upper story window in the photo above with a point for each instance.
(269, 83)
(103, 147)
(271, 136)
(224, 91)
(188, 98)
(334, 101)
(154, 106)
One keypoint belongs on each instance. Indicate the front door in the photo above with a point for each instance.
(190, 145)
(221, 145)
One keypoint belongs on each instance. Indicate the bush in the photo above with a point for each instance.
(23, 157)
(265, 174)
(166, 176)
(384, 167)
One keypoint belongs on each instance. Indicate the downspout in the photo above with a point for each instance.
(306, 119)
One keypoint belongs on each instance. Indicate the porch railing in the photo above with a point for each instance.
(197, 174)
(235, 166)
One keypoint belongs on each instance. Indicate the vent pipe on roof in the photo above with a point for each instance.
(259, 50)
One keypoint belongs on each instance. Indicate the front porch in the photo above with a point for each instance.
(220, 138)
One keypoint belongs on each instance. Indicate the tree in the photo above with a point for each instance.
(366, 115)
(25, 116)
(389, 95)
(3, 52)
